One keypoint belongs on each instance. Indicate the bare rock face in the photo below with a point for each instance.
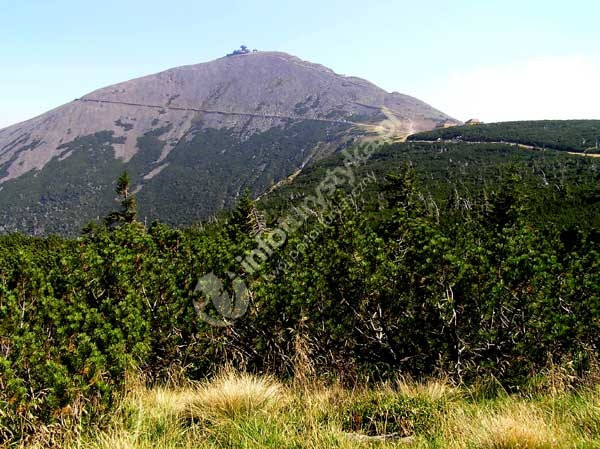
(252, 98)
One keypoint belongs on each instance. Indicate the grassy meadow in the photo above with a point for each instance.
(238, 410)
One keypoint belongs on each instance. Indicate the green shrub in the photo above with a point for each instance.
(380, 415)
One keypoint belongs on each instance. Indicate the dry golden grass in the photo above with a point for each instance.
(518, 427)
(233, 394)
(241, 410)
(433, 390)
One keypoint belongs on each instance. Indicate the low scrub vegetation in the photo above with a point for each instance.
(565, 135)
(496, 288)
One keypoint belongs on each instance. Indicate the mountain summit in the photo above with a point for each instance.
(192, 136)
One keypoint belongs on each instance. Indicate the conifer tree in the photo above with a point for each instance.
(128, 212)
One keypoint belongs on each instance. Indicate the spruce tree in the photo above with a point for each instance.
(128, 212)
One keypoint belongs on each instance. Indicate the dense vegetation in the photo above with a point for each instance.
(447, 170)
(208, 170)
(565, 135)
(196, 180)
(468, 261)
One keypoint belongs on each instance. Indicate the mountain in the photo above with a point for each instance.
(192, 138)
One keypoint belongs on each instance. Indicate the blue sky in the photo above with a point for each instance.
(494, 60)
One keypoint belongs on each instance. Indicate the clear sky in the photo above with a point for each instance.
(494, 60)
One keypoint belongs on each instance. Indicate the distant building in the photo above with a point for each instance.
(473, 121)
(243, 50)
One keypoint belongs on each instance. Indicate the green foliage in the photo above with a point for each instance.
(475, 261)
(65, 194)
(565, 135)
(381, 414)
(210, 170)
(202, 176)
(128, 214)
(450, 171)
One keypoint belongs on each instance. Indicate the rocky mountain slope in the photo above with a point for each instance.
(192, 138)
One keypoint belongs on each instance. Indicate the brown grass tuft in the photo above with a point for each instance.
(233, 394)
(433, 390)
(515, 428)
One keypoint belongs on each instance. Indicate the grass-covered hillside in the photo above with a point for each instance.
(564, 135)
